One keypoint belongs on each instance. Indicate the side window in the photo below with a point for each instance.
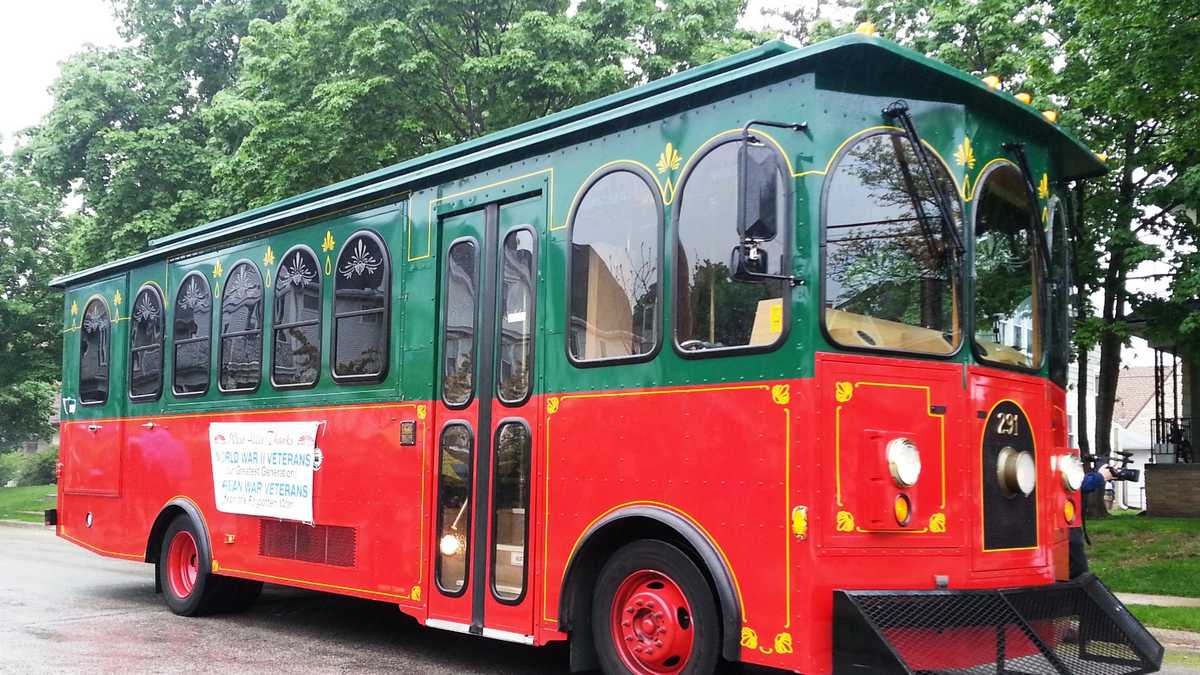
(241, 329)
(516, 315)
(296, 320)
(614, 285)
(889, 268)
(458, 353)
(714, 311)
(146, 345)
(1008, 279)
(191, 334)
(453, 508)
(95, 341)
(360, 310)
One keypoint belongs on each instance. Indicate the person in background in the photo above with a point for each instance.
(1092, 481)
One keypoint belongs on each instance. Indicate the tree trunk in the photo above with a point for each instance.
(1111, 338)
(1081, 309)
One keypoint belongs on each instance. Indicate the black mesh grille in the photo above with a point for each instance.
(327, 544)
(1062, 629)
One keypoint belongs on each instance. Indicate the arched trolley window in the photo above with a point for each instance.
(296, 320)
(190, 336)
(890, 280)
(615, 274)
(714, 311)
(146, 344)
(241, 329)
(1008, 272)
(95, 345)
(361, 303)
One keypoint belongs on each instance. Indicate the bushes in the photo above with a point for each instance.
(28, 469)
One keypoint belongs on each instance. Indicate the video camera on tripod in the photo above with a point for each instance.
(1119, 468)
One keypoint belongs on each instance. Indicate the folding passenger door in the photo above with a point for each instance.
(486, 419)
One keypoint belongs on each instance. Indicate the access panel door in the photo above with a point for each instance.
(94, 390)
(485, 419)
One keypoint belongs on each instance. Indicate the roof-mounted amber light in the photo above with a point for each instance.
(1025, 97)
(1102, 156)
(1051, 116)
(992, 81)
(866, 28)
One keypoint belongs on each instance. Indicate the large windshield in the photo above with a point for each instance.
(889, 267)
(1008, 322)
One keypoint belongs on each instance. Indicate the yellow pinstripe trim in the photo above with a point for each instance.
(319, 584)
(438, 200)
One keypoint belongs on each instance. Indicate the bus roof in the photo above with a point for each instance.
(1077, 161)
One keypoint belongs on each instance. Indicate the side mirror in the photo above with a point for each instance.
(749, 264)
(756, 183)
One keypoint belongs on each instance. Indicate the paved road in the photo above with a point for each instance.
(64, 609)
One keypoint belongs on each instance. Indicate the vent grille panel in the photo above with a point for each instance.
(324, 544)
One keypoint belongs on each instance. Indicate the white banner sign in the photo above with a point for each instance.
(264, 469)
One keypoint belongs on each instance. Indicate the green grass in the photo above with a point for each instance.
(1136, 554)
(26, 503)
(1179, 618)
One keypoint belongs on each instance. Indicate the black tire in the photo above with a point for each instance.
(240, 594)
(207, 591)
(665, 559)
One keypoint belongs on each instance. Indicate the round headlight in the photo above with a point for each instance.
(1072, 472)
(904, 461)
(1016, 471)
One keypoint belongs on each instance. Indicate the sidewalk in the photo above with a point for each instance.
(1157, 600)
(1177, 639)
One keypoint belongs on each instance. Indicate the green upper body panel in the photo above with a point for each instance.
(838, 88)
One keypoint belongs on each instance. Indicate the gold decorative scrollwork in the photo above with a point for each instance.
(781, 394)
(845, 521)
(843, 391)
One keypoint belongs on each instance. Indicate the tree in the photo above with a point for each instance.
(30, 230)
(338, 88)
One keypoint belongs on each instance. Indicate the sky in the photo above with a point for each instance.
(35, 35)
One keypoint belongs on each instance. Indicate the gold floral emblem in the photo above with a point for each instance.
(669, 160)
(328, 244)
(843, 391)
(422, 411)
(749, 638)
(937, 523)
(415, 594)
(268, 257)
(845, 521)
(74, 308)
(781, 394)
(964, 155)
(117, 298)
(1044, 187)
(551, 405)
(217, 271)
(783, 643)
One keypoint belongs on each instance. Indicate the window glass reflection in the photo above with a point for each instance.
(148, 328)
(1008, 322)
(458, 359)
(889, 280)
(190, 335)
(297, 319)
(614, 269)
(516, 315)
(362, 275)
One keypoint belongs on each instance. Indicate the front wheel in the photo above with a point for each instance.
(654, 614)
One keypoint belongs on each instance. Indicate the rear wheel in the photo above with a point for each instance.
(654, 614)
(189, 586)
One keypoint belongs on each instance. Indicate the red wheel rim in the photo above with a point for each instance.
(652, 624)
(183, 564)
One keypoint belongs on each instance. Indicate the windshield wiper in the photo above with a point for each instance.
(898, 111)
(1018, 150)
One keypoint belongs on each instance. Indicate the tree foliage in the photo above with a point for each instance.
(221, 105)
(30, 344)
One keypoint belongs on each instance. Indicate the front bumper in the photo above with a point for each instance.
(1073, 628)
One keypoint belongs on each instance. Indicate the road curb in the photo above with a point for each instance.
(21, 523)
(1181, 640)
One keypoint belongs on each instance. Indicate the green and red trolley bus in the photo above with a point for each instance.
(763, 362)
